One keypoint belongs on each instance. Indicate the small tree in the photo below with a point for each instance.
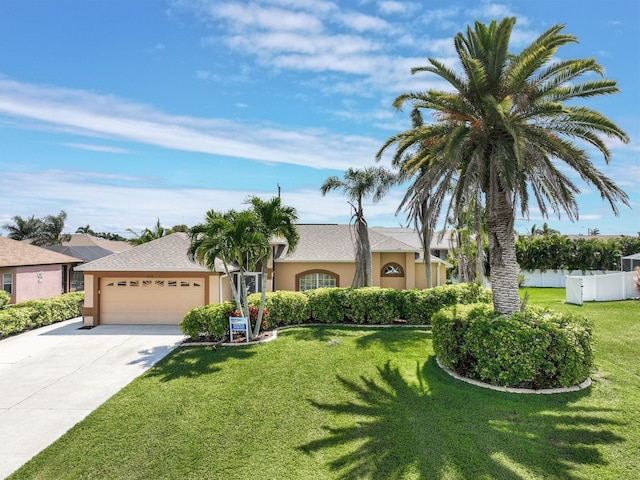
(237, 239)
(276, 220)
(358, 185)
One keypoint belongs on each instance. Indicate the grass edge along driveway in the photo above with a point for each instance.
(338, 402)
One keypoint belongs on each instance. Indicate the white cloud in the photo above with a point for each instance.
(105, 201)
(362, 23)
(391, 8)
(89, 114)
(96, 148)
(256, 17)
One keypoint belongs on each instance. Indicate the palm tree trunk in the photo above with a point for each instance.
(263, 296)
(426, 235)
(362, 276)
(502, 244)
(479, 249)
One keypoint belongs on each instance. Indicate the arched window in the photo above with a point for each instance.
(313, 279)
(392, 269)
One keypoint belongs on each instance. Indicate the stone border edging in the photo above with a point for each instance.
(542, 391)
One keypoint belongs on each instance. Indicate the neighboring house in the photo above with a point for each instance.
(156, 283)
(30, 273)
(87, 248)
(151, 283)
(630, 262)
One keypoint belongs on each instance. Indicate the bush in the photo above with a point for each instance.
(373, 305)
(37, 313)
(4, 298)
(328, 305)
(209, 322)
(284, 307)
(421, 305)
(532, 349)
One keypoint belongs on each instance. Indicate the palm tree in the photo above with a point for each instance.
(237, 239)
(50, 231)
(359, 184)
(276, 220)
(148, 235)
(23, 228)
(507, 130)
(86, 230)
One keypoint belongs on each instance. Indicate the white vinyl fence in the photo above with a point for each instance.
(554, 278)
(601, 288)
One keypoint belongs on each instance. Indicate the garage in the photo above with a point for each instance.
(152, 283)
(149, 301)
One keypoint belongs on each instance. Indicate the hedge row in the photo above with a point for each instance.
(369, 305)
(535, 349)
(37, 313)
(4, 298)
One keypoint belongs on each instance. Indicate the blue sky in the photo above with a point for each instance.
(123, 112)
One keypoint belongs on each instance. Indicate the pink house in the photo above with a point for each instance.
(30, 273)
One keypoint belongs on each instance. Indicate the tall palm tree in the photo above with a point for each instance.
(507, 129)
(23, 228)
(359, 184)
(237, 239)
(276, 220)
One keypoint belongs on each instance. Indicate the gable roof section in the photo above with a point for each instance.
(20, 254)
(86, 240)
(86, 254)
(335, 243)
(166, 254)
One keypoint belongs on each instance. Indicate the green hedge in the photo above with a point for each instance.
(369, 305)
(532, 349)
(284, 307)
(4, 298)
(38, 313)
(209, 322)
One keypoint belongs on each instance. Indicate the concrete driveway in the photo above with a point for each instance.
(53, 377)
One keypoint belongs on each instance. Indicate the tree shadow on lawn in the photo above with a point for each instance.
(393, 339)
(191, 362)
(440, 427)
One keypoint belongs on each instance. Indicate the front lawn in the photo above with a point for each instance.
(338, 402)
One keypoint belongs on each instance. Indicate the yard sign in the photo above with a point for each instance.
(238, 324)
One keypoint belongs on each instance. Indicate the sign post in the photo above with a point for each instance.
(239, 324)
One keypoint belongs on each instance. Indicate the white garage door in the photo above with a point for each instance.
(148, 301)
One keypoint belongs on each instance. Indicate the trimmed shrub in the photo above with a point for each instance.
(284, 307)
(209, 322)
(421, 305)
(4, 298)
(373, 305)
(329, 305)
(535, 349)
(37, 313)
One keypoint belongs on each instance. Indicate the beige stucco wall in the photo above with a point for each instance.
(286, 272)
(421, 281)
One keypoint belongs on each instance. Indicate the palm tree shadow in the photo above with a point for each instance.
(190, 362)
(437, 425)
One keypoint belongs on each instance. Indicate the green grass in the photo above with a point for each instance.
(341, 403)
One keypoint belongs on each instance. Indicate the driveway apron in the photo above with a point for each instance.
(53, 377)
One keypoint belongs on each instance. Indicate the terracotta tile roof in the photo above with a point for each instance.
(166, 254)
(17, 254)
